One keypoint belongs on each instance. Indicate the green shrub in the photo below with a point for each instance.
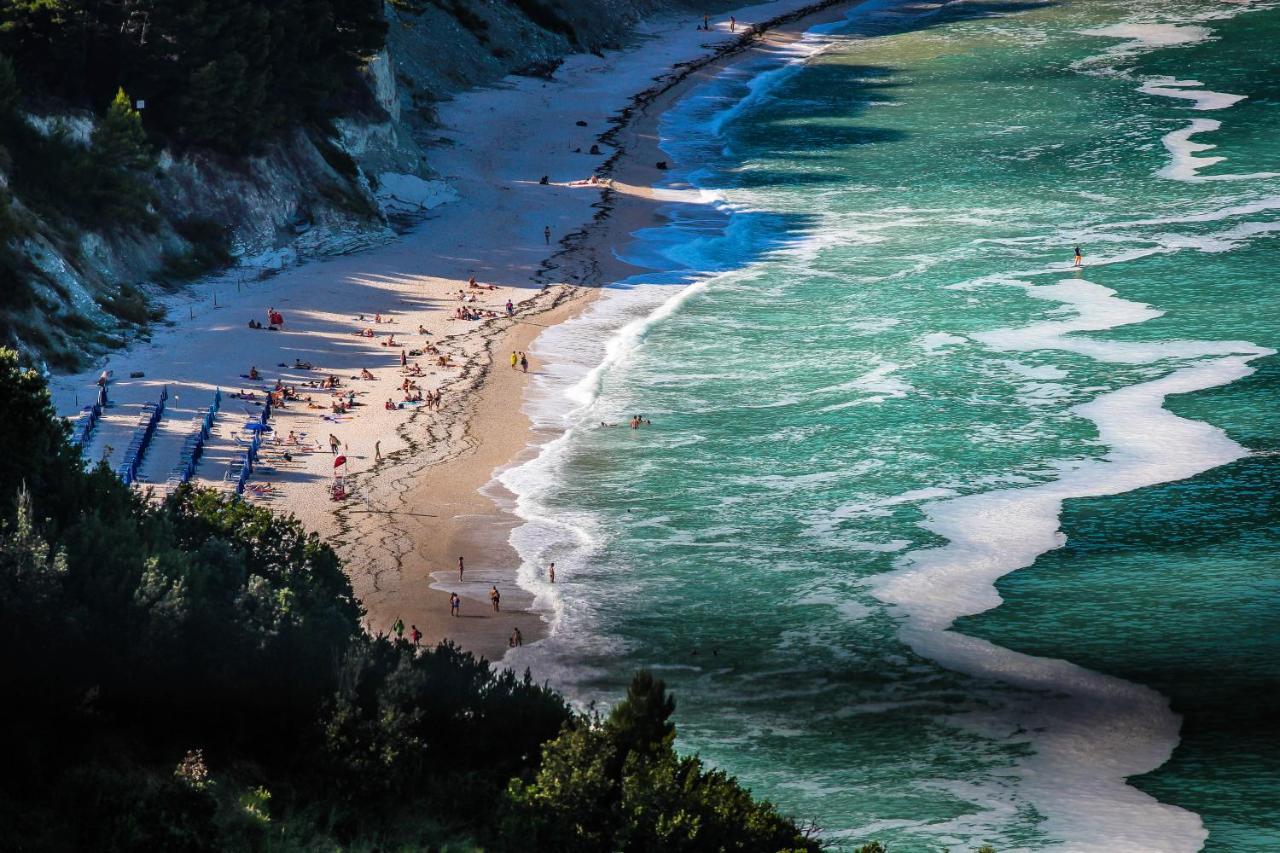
(130, 305)
(192, 676)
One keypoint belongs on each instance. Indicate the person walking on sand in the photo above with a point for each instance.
(398, 627)
(524, 363)
(377, 451)
(459, 568)
(551, 572)
(1079, 259)
(733, 24)
(511, 308)
(495, 597)
(515, 359)
(334, 444)
(415, 635)
(546, 234)
(517, 639)
(455, 604)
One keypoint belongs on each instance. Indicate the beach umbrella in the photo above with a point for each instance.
(257, 426)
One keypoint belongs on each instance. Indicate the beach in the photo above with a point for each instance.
(412, 475)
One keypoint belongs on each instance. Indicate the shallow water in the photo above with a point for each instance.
(937, 539)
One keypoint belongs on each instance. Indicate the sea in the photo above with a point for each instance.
(937, 538)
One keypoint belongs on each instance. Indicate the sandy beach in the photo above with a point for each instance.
(413, 475)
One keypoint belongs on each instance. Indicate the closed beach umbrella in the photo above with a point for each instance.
(339, 461)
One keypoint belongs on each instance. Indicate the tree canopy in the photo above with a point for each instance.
(224, 74)
(192, 675)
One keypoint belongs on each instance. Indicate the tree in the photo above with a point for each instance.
(119, 141)
(642, 722)
(37, 453)
(619, 785)
(9, 90)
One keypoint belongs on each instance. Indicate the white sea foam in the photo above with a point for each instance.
(1204, 99)
(1097, 308)
(1092, 731)
(938, 343)
(1186, 166)
(1151, 35)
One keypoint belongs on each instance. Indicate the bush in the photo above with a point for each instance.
(192, 676)
(130, 304)
(619, 785)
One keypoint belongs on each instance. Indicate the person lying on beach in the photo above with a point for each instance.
(365, 374)
(390, 342)
(299, 364)
(389, 405)
(254, 324)
(367, 333)
(422, 330)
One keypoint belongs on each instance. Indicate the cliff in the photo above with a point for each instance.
(72, 292)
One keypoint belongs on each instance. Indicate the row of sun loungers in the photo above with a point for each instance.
(92, 413)
(142, 434)
(193, 445)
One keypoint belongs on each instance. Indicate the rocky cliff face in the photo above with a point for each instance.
(308, 194)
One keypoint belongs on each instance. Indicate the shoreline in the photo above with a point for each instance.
(416, 475)
(473, 492)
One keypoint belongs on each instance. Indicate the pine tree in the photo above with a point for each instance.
(119, 140)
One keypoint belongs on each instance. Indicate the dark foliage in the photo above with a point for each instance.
(222, 74)
(192, 676)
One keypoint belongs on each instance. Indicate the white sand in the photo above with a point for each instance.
(503, 140)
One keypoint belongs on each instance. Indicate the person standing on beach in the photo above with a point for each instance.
(398, 627)
(495, 597)
(334, 444)
(515, 359)
(377, 451)
(706, 22)
(546, 234)
(415, 635)
(517, 639)
(551, 572)
(455, 604)
(459, 568)
(733, 24)
(511, 308)
(524, 363)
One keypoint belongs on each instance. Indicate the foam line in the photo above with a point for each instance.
(1168, 87)
(1185, 166)
(1093, 731)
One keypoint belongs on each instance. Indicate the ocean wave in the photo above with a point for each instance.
(1092, 731)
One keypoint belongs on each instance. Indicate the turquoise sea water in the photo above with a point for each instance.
(938, 540)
